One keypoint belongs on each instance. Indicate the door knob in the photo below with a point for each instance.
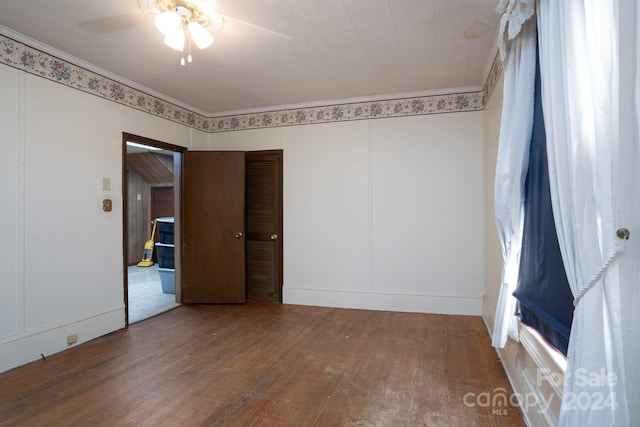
(274, 236)
(239, 235)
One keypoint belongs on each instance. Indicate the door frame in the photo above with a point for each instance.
(177, 184)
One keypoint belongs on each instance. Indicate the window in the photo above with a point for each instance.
(544, 297)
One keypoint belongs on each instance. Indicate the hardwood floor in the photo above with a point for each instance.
(264, 364)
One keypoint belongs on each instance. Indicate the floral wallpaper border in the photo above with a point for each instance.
(21, 56)
(36, 62)
(493, 77)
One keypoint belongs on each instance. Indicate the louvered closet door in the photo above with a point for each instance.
(263, 225)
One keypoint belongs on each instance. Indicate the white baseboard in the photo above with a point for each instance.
(384, 301)
(28, 347)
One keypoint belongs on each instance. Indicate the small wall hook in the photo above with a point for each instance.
(623, 233)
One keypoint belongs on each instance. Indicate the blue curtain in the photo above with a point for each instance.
(543, 293)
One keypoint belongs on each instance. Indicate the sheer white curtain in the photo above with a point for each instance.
(578, 63)
(513, 152)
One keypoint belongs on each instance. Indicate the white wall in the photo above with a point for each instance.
(61, 261)
(492, 251)
(380, 214)
(10, 208)
(627, 198)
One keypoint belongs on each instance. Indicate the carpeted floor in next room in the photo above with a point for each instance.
(145, 293)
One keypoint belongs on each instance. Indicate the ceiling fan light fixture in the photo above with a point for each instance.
(200, 36)
(175, 39)
(184, 22)
(168, 22)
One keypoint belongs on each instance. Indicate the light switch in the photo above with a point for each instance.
(139, 197)
(106, 184)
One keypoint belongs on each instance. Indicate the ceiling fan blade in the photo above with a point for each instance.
(258, 28)
(114, 23)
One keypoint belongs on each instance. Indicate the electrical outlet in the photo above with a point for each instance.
(72, 339)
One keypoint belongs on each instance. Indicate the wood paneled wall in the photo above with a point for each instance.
(166, 159)
(138, 212)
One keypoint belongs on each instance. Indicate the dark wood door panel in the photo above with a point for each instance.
(161, 202)
(213, 227)
(263, 224)
(260, 271)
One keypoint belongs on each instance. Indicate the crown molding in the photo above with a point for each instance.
(37, 58)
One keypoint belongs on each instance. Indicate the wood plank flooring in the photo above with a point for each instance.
(264, 364)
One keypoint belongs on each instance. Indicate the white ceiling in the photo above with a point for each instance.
(316, 51)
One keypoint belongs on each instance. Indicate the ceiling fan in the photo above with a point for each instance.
(182, 22)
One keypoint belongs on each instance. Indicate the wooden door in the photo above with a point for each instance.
(213, 227)
(263, 225)
(161, 201)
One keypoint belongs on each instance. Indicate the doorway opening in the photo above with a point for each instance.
(199, 196)
(151, 212)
